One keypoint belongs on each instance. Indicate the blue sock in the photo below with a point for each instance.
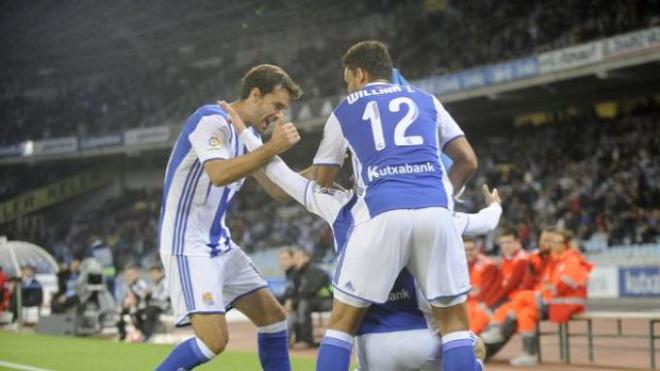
(458, 352)
(187, 355)
(273, 343)
(335, 352)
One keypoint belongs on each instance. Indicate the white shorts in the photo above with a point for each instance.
(200, 284)
(399, 351)
(423, 240)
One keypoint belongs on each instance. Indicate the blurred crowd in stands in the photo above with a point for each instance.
(446, 38)
(597, 177)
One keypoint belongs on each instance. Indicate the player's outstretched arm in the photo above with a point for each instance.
(222, 172)
(487, 219)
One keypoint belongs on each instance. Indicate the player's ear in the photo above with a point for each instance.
(255, 93)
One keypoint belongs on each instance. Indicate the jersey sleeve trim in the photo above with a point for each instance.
(444, 146)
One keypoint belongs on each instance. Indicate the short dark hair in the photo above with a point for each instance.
(508, 231)
(267, 78)
(371, 56)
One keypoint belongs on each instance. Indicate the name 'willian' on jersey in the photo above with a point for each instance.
(193, 210)
(395, 134)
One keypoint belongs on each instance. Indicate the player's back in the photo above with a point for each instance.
(192, 208)
(392, 132)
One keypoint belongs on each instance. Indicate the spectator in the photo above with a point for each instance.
(514, 264)
(157, 303)
(101, 252)
(32, 293)
(313, 294)
(134, 301)
(65, 298)
(5, 293)
(288, 264)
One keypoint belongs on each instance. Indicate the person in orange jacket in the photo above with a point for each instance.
(5, 295)
(540, 260)
(561, 293)
(485, 280)
(514, 264)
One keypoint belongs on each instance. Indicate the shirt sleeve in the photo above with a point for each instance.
(484, 221)
(332, 149)
(324, 202)
(211, 138)
(447, 126)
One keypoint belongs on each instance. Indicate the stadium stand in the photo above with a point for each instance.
(126, 93)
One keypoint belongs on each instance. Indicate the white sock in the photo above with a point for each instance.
(208, 353)
(339, 335)
(273, 328)
(456, 335)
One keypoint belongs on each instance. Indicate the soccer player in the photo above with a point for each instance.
(206, 271)
(403, 210)
(394, 336)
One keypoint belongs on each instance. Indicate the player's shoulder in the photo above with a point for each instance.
(212, 110)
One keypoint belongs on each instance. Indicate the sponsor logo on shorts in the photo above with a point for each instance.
(402, 294)
(207, 298)
(376, 172)
(349, 286)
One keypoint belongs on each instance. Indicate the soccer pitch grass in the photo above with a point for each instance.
(84, 354)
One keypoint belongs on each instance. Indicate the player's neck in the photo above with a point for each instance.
(239, 107)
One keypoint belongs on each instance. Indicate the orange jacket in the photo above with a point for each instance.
(485, 280)
(5, 295)
(539, 269)
(566, 291)
(513, 271)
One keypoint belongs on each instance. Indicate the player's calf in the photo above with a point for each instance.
(337, 344)
(272, 335)
(457, 342)
(210, 339)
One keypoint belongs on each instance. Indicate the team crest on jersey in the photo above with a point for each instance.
(214, 142)
(207, 298)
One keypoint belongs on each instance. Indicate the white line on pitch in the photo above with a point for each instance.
(18, 366)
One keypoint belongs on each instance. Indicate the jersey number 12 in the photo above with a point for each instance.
(372, 114)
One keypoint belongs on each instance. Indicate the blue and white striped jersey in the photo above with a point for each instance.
(396, 135)
(193, 210)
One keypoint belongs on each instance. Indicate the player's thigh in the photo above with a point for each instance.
(398, 351)
(195, 285)
(261, 308)
(437, 257)
(246, 290)
(211, 328)
(373, 257)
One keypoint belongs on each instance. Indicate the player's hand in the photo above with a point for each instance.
(285, 135)
(490, 197)
(236, 120)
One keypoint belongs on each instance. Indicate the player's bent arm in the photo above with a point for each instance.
(484, 221)
(278, 172)
(222, 172)
(465, 162)
(324, 204)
